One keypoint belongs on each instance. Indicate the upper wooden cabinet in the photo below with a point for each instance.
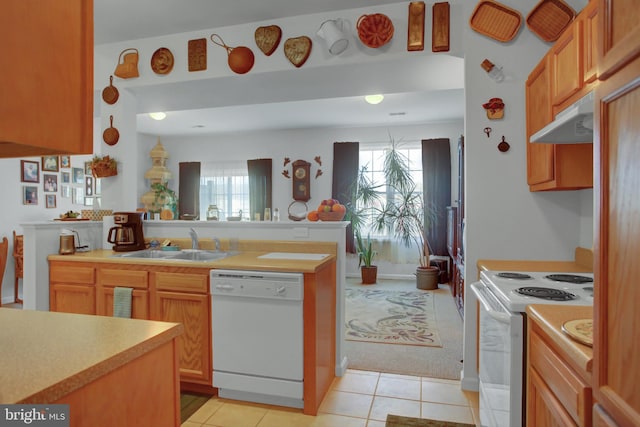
(46, 77)
(618, 35)
(563, 76)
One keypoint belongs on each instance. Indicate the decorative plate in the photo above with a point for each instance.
(162, 61)
(580, 330)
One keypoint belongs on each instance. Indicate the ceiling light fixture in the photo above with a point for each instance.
(158, 116)
(374, 99)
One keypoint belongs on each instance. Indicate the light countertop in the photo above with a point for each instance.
(245, 260)
(550, 319)
(583, 263)
(46, 355)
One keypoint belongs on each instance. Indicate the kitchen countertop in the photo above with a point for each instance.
(46, 355)
(245, 260)
(583, 264)
(550, 319)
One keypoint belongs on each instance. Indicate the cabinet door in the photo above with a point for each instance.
(70, 298)
(543, 409)
(538, 93)
(194, 312)
(618, 35)
(617, 246)
(589, 22)
(566, 65)
(46, 77)
(139, 303)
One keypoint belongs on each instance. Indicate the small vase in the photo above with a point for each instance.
(369, 274)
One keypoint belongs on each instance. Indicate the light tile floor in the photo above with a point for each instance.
(357, 399)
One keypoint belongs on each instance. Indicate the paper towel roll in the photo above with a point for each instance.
(107, 223)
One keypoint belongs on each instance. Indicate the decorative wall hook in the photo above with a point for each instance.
(317, 159)
(285, 173)
(318, 173)
(286, 161)
(488, 130)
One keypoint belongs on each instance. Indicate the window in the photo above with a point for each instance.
(372, 157)
(225, 185)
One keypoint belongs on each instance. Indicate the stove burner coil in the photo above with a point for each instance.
(569, 278)
(510, 275)
(546, 293)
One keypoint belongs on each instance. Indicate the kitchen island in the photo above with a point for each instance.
(110, 371)
(179, 291)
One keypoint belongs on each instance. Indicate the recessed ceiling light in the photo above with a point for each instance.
(400, 113)
(158, 116)
(197, 126)
(374, 99)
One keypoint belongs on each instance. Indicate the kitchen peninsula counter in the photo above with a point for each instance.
(244, 260)
(583, 263)
(99, 365)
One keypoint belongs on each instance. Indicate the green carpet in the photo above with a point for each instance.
(398, 421)
(190, 403)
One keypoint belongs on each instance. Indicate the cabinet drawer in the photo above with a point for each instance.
(128, 278)
(182, 282)
(71, 274)
(568, 388)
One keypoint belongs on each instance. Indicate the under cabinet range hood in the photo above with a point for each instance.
(571, 126)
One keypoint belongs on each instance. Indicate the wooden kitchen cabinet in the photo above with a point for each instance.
(552, 166)
(617, 242)
(72, 288)
(618, 35)
(192, 308)
(557, 395)
(588, 19)
(46, 77)
(109, 278)
(566, 64)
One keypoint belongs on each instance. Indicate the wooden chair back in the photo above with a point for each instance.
(4, 252)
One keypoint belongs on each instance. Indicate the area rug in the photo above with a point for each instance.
(391, 317)
(398, 421)
(190, 403)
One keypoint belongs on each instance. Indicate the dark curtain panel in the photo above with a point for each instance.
(259, 185)
(436, 176)
(346, 157)
(189, 189)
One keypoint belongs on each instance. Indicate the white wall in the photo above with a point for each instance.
(503, 219)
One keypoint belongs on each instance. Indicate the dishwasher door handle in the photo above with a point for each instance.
(221, 287)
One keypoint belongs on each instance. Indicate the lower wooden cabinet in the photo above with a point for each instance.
(72, 298)
(194, 312)
(556, 394)
(139, 303)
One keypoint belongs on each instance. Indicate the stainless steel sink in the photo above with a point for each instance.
(196, 255)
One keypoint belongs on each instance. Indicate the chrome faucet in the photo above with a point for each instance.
(217, 242)
(194, 238)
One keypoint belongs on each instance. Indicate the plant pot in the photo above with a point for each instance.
(427, 278)
(369, 274)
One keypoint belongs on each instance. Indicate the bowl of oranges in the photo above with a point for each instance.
(329, 210)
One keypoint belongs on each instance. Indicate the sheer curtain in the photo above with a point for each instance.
(224, 184)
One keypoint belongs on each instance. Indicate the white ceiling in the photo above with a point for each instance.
(123, 20)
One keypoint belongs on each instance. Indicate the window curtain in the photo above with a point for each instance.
(436, 178)
(189, 188)
(346, 156)
(259, 185)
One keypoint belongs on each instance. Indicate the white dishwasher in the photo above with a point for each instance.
(257, 329)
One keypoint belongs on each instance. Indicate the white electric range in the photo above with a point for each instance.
(503, 297)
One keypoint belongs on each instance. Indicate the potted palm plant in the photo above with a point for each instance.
(368, 271)
(404, 214)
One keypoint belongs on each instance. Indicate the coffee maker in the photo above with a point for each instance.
(127, 234)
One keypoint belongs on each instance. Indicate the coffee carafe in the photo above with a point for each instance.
(127, 235)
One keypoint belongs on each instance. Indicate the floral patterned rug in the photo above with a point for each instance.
(391, 317)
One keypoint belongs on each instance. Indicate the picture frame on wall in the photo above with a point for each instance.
(88, 201)
(78, 175)
(65, 177)
(50, 164)
(87, 168)
(77, 195)
(65, 191)
(97, 190)
(88, 186)
(29, 195)
(50, 183)
(29, 171)
(65, 162)
(50, 201)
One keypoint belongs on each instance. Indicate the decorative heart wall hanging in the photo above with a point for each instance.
(297, 50)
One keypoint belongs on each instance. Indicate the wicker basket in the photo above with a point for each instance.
(550, 18)
(495, 20)
(103, 169)
(331, 216)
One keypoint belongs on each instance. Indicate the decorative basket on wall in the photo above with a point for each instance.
(104, 168)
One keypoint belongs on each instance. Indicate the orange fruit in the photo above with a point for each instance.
(313, 216)
(338, 208)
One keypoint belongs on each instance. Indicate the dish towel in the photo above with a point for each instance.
(122, 302)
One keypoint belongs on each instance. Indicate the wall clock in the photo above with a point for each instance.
(301, 180)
